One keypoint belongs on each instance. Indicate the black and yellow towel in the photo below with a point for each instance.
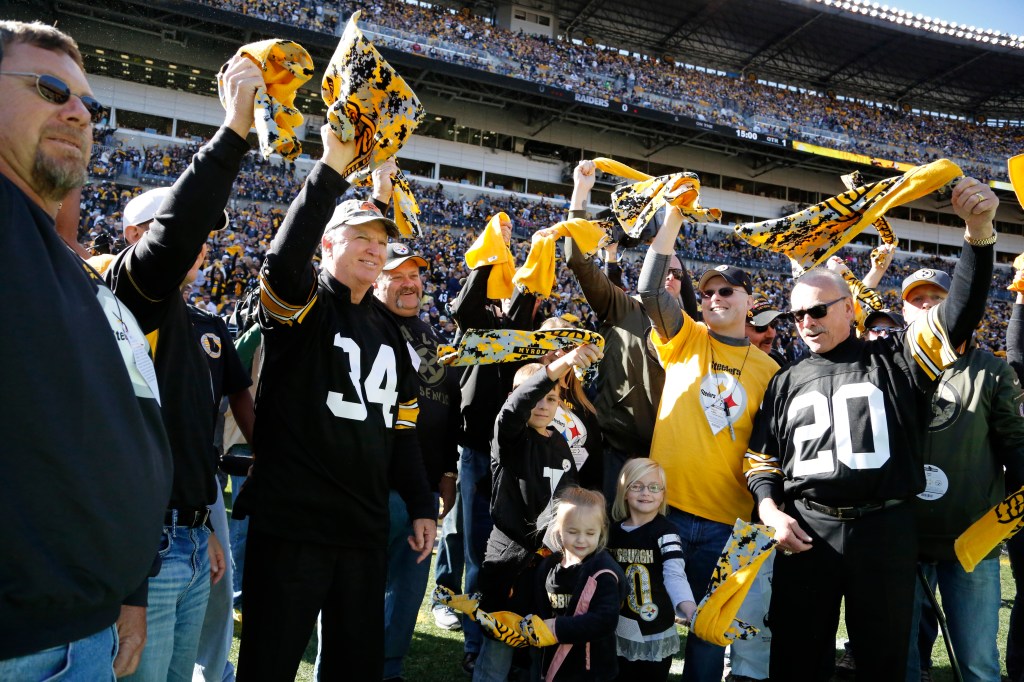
(505, 626)
(636, 204)
(815, 233)
(1018, 275)
(407, 209)
(490, 249)
(1015, 168)
(997, 525)
(286, 66)
(367, 101)
(865, 299)
(491, 346)
(537, 275)
(881, 225)
(747, 548)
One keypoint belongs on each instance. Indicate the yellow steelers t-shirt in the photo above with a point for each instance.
(712, 391)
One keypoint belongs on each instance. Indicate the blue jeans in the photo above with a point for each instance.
(237, 531)
(407, 583)
(212, 663)
(971, 604)
(750, 657)
(90, 659)
(451, 555)
(177, 604)
(474, 466)
(703, 541)
(494, 662)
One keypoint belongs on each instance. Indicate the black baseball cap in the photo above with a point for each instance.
(763, 312)
(733, 275)
(875, 315)
(398, 253)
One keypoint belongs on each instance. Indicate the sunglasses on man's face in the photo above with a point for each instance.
(762, 328)
(724, 292)
(816, 311)
(56, 91)
(676, 272)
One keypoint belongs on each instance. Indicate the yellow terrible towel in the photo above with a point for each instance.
(537, 275)
(505, 626)
(747, 548)
(367, 101)
(812, 235)
(636, 204)
(1015, 167)
(1018, 277)
(997, 525)
(286, 66)
(490, 249)
(407, 209)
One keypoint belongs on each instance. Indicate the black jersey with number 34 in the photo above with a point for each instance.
(845, 428)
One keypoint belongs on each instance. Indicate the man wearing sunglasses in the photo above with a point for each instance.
(836, 454)
(974, 432)
(86, 464)
(761, 321)
(714, 380)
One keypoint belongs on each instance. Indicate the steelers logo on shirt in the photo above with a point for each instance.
(725, 390)
(212, 345)
(946, 407)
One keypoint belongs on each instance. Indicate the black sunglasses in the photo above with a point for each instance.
(762, 328)
(816, 311)
(56, 91)
(724, 292)
(676, 272)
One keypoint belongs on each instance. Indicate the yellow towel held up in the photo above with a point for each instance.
(1015, 167)
(367, 101)
(286, 66)
(407, 209)
(1000, 523)
(810, 236)
(1018, 276)
(537, 275)
(490, 249)
(747, 548)
(636, 204)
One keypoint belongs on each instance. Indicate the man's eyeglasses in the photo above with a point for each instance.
(882, 332)
(56, 91)
(638, 487)
(676, 272)
(762, 328)
(724, 292)
(816, 311)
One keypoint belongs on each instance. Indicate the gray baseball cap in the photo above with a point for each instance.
(358, 212)
(398, 253)
(926, 276)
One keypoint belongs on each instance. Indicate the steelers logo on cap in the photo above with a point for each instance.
(401, 249)
(722, 268)
(926, 274)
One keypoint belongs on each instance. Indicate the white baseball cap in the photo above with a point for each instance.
(144, 207)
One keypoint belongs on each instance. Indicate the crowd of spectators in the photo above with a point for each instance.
(882, 131)
(308, 14)
(451, 221)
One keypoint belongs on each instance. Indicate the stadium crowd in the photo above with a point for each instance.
(733, 393)
(884, 131)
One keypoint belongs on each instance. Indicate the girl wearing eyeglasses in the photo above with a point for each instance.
(648, 548)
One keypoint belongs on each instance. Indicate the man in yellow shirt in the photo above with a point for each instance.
(714, 380)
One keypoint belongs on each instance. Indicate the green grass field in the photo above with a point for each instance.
(436, 654)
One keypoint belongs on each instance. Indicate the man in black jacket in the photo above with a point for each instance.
(837, 444)
(85, 469)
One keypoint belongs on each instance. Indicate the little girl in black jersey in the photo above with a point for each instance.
(647, 547)
(579, 590)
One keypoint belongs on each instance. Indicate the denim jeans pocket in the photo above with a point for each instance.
(166, 541)
(49, 664)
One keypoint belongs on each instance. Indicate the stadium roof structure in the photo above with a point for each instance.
(819, 44)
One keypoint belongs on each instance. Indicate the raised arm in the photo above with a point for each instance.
(963, 309)
(663, 310)
(288, 270)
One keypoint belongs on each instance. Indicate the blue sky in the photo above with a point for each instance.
(1000, 15)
